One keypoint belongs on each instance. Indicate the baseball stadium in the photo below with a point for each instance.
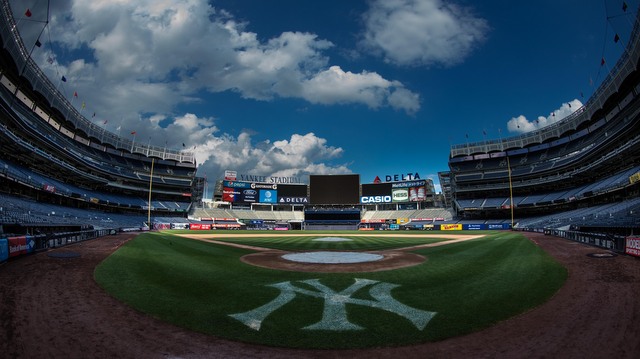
(116, 248)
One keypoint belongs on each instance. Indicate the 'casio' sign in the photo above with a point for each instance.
(375, 199)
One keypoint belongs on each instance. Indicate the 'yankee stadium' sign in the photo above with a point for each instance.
(269, 179)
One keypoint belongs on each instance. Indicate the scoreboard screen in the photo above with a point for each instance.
(378, 189)
(292, 190)
(334, 189)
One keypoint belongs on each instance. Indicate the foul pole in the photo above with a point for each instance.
(150, 184)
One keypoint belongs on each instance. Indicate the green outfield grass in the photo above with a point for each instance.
(470, 285)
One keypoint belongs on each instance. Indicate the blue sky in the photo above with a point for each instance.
(291, 88)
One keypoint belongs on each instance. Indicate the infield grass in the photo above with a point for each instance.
(471, 285)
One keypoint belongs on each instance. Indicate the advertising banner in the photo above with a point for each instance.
(474, 227)
(499, 226)
(199, 226)
(248, 196)
(400, 195)
(268, 196)
(236, 184)
(230, 194)
(375, 199)
(417, 194)
(292, 200)
(4, 249)
(20, 245)
(632, 246)
(230, 175)
(451, 227)
(409, 184)
(225, 225)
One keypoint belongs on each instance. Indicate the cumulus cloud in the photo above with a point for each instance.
(337, 86)
(422, 32)
(521, 124)
(297, 156)
(150, 56)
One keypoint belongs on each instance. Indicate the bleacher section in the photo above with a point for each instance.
(577, 167)
(58, 167)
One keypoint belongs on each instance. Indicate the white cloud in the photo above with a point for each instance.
(134, 62)
(298, 156)
(521, 124)
(422, 32)
(149, 56)
(337, 86)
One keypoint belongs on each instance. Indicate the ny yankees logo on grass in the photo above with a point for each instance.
(334, 316)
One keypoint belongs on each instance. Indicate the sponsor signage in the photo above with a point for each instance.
(230, 175)
(286, 200)
(235, 184)
(632, 246)
(268, 196)
(409, 184)
(499, 226)
(225, 225)
(230, 194)
(401, 177)
(375, 199)
(264, 186)
(4, 249)
(373, 220)
(451, 227)
(248, 195)
(199, 226)
(20, 245)
(400, 195)
(474, 227)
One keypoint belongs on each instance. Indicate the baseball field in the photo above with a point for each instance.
(401, 288)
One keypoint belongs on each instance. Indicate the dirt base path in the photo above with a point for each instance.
(52, 308)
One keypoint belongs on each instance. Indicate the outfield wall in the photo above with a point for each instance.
(16, 246)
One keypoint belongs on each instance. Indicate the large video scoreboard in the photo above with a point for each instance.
(334, 189)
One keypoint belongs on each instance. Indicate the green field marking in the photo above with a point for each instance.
(471, 285)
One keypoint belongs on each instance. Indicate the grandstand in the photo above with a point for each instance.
(579, 172)
(59, 169)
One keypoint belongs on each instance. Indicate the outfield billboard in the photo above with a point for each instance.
(632, 246)
(451, 227)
